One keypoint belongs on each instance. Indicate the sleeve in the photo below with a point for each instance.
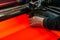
(52, 23)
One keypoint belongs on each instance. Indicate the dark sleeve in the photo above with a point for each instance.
(52, 23)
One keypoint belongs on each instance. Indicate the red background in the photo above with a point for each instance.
(18, 28)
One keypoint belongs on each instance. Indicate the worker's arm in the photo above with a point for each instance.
(52, 23)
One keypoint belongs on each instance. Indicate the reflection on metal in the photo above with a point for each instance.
(15, 7)
(56, 11)
(12, 10)
(7, 3)
(54, 7)
(39, 2)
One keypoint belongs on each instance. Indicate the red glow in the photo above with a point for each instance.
(18, 28)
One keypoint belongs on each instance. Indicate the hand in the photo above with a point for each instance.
(36, 21)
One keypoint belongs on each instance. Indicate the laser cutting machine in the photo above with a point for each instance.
(15, 15)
